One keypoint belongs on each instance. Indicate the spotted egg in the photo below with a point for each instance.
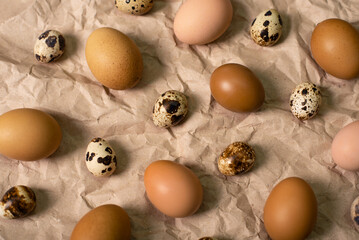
(170, 109)
(17, 202)
(266, 28)
(207, 238)
(49, 46)
(354, 213)
(237, 158)
(100, 158)
(305, 101)
(135, 7)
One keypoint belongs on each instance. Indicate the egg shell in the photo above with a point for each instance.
(345, 150)
(17, 202)
(305, 101)
(236, 88)
(290, 211)
(28, 134)
(202, 21)
(335, 47)
(101, 159)
(173, 188)
(170, 109)
(354, 213)
(135, 7)
(104, 222)
(237, 158)
(113, 58)
(49, 46)
(266, 28)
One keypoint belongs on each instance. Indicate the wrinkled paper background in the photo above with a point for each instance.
(233, 206)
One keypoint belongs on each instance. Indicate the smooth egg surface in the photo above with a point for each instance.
(173, 188)
(236, 88)
(290, 211)
(202, 21)
(28, 134)
(335, 47)
(113, 58)
(345, 147)
(106, 222)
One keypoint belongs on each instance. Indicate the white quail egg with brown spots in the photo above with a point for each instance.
(17, 202)
(170, 109)
(354, 213)
(305, 101)
(266, 28)
(100, 158)
(135, 7)
(49, 46)
(237, 158)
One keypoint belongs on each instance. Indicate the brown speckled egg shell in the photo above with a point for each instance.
(237, 158)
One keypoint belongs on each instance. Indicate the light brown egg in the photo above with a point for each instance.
(202, 21)
(28, 134)
(335, 47)
(236, 88)
(173, 188)
(345, 150)
(113, 58)
(105, 222)
(290, 211)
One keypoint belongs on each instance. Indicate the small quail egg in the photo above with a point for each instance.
(49, 46)
(170, 109)
(266, 28)
(17, 202)
(237, 158)
(354, 213)
(100, 158)
(305, 101)
(135, 7)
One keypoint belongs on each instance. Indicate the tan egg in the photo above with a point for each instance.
(335, 47)
(113, 58)
(202, 21)
(173, 188)
(28, 134)
(102, 223)
(290, 211)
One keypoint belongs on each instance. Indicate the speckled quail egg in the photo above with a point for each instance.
(207, 238)
(237, 158)
(49, 46)
(266, 28)
(305, 101)
(135, 7)
(17, 202)
(170, 109)
(354, 213)
(100, 158)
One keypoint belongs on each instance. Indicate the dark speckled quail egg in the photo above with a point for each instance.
(135, 7)
(266, 28)
(305, 101)
(17, 202)
(49, 46)
(237, 158)
(100, 158)
(170, 109)
(354, 213)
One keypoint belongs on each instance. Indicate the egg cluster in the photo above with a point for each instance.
(174, 189)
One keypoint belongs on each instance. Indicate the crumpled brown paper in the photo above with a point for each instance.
(233, 206)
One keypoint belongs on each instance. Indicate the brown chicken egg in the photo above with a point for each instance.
(290, 211)
(236, 88)
(335, 47)
(104, 222)
(28, 134)
(173, 188)
(113, 58)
